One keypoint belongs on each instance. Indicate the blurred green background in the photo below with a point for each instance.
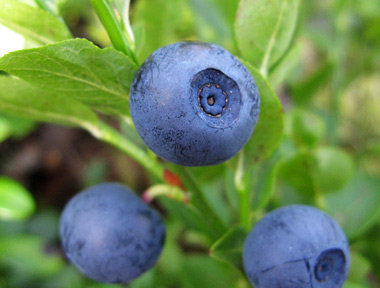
(328, 83)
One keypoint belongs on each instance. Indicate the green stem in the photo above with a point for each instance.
(109, 135)
(169, 191)
(272, 41)
(216, 226)
(43, 6)
(320, 201)
(243, 193)
(127, 24)
(113, 27)
(128, 121)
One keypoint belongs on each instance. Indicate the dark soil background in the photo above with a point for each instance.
(55, 162)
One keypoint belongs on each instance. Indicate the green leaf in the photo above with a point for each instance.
(211, 23)
(174, 21)
(168, 269)
(287, 65)
(229, 184)
(349, 284)
(304, 90)
(214, 193)
(78, 70)
(264, 29)
(369, 246)
(269, 129)
(334, 169)
(187, 213)
(103, 285)
(229, 248)
(265, 176)
(357, 207)
(207, 174)
(14, 127)
(26, 256)
(23, 100)
(203, 272)
(228, 8)
(305, 127)
(323, 170)
(32, 22)
(44, 223)
(367, 9)
(370, 160)
(5, 129)
(360, 267)
(16, 203)
(69, 276)
(297, 172)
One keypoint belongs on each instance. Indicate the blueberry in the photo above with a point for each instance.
(110, 234)
(194, 103)
(296, 247)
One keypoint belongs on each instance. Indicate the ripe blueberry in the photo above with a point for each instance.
(110, 234)
(296, 247)
(194, 103)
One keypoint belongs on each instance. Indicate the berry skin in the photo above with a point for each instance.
(110, 234)
(296, 247)
(194, 104)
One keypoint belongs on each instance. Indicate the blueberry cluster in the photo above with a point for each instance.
(112, 236)
(195, 104)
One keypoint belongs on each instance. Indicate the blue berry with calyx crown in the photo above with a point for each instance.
(296, 247)
(110, 234)
(194, 103)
